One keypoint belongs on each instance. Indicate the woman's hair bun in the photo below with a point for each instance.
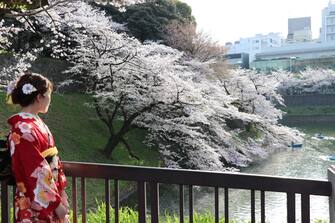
(34, 84)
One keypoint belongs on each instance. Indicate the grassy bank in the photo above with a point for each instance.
(81, 136)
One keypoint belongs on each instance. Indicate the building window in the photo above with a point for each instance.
(331, 20)
(331, 29)
(331, 37)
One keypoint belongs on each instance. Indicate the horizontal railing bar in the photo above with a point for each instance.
(200, 178)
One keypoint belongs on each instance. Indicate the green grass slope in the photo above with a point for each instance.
(80, 135)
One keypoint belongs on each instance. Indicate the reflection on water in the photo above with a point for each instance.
(307, 162)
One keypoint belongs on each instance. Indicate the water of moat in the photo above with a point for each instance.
(308, 162)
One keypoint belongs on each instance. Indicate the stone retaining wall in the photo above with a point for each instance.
(292, 120)
(310, 100)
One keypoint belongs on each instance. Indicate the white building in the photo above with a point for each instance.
(328, 23)
(299, 30)
(256, 44)
(298, 55)
(302, 36)
(299, 51)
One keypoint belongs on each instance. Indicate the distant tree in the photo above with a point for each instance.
(146, 21)
(22, 4)
(181, 36)
(184, 37)
(197, 44)
(14, 8)
(184, 11)
(310, 81)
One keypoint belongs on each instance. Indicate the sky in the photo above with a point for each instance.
(228, 20)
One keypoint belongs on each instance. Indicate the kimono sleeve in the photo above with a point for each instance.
(32, 172)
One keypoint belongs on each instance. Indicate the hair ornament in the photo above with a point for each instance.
(28, 89)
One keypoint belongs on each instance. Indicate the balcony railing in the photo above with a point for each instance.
(144, 176)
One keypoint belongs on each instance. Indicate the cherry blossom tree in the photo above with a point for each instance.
(217, 130)
(20, 62)
(109, 63)
(310, 81)
(194, 121)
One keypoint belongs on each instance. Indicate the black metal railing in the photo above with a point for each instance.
(144, 176)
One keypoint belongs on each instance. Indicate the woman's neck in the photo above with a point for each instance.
(30, 109)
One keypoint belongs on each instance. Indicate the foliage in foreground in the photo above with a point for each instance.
(129, 215)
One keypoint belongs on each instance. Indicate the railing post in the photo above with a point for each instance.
(142, 201)
(154, 194)
(4, 202)
(331, 179)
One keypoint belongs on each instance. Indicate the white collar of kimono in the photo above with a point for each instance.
(27, 115)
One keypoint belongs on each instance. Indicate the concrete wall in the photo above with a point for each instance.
(310, 100)
(294, 120)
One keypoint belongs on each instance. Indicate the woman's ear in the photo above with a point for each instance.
(38, 98)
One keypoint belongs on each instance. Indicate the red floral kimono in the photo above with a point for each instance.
(37, 170)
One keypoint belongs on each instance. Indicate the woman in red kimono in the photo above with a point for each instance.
(40, 194)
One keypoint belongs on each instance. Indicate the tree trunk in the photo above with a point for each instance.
(113, 141)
